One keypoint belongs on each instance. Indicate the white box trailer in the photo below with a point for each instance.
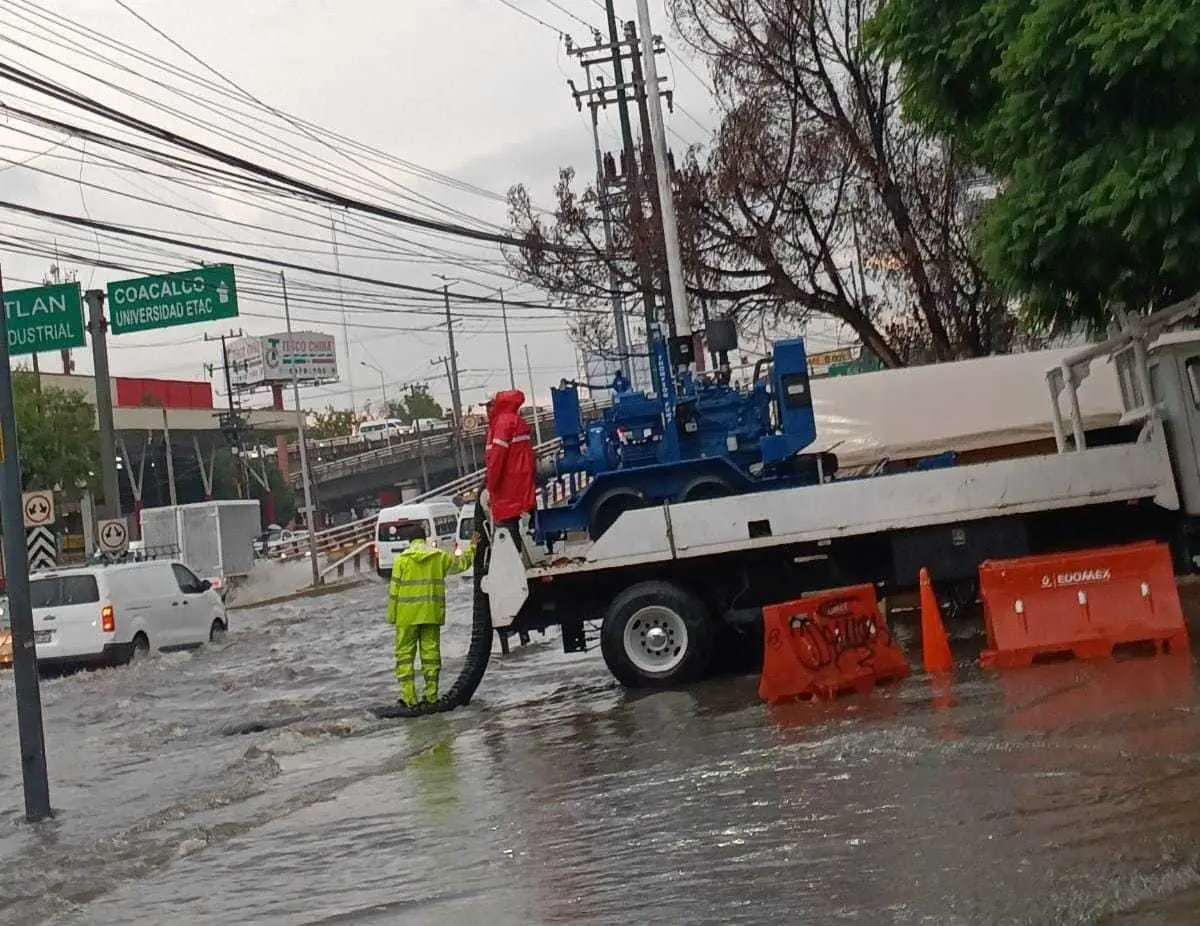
(664, 580)
(214, 539)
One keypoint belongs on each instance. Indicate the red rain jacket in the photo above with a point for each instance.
(509, 457)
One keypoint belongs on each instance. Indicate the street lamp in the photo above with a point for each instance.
(382, 381)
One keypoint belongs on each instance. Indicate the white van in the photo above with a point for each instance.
(382, 430)
(435, 519)
(466, 524)
(108, 614)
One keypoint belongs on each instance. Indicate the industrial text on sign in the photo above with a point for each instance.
(45, 329)
(44, 318)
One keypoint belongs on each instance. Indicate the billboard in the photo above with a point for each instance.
(274, 358)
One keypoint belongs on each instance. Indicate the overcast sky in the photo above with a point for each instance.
(467, 88)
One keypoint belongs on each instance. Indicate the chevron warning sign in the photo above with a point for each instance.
(42, 548)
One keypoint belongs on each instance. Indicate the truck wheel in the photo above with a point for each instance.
(656, 634)
(610, 506)
(705, 488)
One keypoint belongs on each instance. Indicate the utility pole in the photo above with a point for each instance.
(614, 284)
(452, 375)
(232, 423)
(634, 178)
(512, 377)
(305, 478)
(337, 265)
(537, 421)
(681, 326)
(30, 731)
(460, 460)
(97, 327)
(412, 391)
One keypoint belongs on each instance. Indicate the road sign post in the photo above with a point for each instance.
(113, 536)
(206, 294)
(37, 508)
(20, 609)
(44, 319)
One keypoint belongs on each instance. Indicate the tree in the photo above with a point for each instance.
(815, 199)
(333, 422)
(56, 431)
(417, 403)
(1089, 113)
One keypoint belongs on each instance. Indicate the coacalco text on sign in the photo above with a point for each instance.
(203, 295)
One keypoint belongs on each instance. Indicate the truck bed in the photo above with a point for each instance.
(1124, 472)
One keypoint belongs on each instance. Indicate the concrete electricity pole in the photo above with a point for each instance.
(452, 375)
(512, 377)
(305, 475)
(634, 179)
(97, 327)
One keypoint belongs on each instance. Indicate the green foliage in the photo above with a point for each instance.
(56, 433)
(418, 403)
(333, 422)
(1089, 112)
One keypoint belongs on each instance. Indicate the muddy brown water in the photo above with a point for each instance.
(247, 783)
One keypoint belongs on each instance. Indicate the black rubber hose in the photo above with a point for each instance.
(479, 650)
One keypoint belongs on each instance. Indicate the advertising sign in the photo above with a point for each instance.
(269, 359)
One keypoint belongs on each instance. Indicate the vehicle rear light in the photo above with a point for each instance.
(108, 619)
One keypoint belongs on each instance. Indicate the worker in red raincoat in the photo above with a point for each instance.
(509, 461)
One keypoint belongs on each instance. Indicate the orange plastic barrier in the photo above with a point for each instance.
(828, 644)
(1080, 605)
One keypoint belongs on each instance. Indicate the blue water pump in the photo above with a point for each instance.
(703, 438)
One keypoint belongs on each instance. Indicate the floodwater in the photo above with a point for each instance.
(247, 783)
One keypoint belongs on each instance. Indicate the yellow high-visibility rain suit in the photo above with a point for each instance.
(417, 609)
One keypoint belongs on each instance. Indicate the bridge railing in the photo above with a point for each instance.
(356, 534)
(410, 448)
(330, 540)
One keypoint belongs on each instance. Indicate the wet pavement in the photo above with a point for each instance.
(248, 783)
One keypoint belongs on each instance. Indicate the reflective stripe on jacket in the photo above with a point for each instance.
(417, 593)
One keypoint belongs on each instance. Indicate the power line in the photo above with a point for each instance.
(129, 52)
(268, 261)
(282, 180)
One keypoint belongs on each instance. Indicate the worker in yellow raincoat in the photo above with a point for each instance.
(417, 609)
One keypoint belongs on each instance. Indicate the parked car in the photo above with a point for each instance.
(111, 614)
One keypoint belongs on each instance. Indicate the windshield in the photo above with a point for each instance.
(59, 591)
(397, 531)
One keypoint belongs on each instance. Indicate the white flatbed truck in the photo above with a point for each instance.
(667, 582)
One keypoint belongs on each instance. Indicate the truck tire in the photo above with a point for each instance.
(610, 506)
(706, 488)
(655, 635)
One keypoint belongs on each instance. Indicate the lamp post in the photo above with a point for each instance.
(387, 430)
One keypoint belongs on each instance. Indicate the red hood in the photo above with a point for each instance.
(508, 401)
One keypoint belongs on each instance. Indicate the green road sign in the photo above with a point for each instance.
(207, 294)
(44, 319)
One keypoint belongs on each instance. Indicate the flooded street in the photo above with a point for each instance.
(248, 783)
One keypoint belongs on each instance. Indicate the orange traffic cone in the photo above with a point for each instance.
(935, 647)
